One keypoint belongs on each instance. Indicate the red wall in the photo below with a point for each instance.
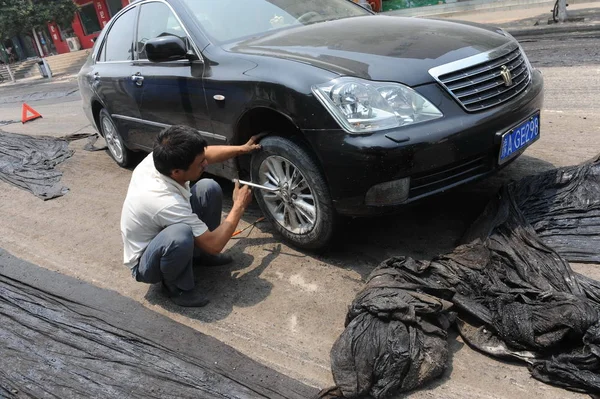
(61, 46)
(85, 40)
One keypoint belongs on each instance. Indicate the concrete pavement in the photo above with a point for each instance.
(275, 304)
(280, 306)
(529, 21)
(528, 17)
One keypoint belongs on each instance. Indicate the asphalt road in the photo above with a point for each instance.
(280, 306)
(576, 49)
(39, 91)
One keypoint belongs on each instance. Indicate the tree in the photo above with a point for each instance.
(11, 12)
(20, 16)
(60, 11)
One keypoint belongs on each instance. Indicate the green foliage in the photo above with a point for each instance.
(60, 11)
(11, 12)
(18, 16)
(400, 4)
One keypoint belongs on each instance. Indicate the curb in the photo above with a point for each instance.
(38, 81)
(553, 29)
(474, 7)
(522, 31)
(430, 12)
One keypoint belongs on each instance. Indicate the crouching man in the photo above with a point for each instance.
(168, 226)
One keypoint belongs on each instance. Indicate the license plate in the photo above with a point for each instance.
(517, 139)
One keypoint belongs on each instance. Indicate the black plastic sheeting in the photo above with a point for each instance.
(509, 290)
(30, 162)
(562, 206)
(63, 338)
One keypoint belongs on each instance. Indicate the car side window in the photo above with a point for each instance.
(156, 20)
(118, 43)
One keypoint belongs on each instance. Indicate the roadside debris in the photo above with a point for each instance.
(509, 290)
(91, 143)
(62, 337)
(562, 206)
(30, 162)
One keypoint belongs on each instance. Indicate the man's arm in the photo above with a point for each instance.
(220, 153)
(213, 242)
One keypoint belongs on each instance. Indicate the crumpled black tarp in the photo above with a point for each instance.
(509, 292)
(30, 162)
(63, 338)
(562, 206)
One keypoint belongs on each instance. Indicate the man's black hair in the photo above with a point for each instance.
(176, 148)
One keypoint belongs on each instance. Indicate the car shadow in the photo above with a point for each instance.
(422, 231)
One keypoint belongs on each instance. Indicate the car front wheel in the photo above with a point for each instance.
(300, 205)
(114, 141)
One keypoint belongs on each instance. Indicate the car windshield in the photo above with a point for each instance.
(229, 20)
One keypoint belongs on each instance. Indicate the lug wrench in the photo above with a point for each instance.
(247, 183)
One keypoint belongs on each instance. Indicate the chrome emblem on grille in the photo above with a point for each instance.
(506, 76)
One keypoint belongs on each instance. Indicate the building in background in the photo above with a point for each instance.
(92, 16)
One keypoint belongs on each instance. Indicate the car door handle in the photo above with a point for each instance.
(138, 79)
(96, 76)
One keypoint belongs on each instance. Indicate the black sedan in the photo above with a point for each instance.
(364, 112)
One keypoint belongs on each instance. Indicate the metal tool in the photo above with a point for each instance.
(247, 227)
(247, 183)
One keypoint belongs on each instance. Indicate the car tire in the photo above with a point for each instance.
(303, 189)
(114, 142)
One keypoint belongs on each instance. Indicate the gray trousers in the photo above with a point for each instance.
(169, 256)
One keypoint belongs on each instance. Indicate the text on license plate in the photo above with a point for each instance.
(517, 139)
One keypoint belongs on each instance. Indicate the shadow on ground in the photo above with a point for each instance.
(227, 286)
(422, 230)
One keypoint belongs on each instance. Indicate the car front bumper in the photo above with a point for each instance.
(435, 156)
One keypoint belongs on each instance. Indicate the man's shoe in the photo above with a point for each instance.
(188, 299)
(213, 260)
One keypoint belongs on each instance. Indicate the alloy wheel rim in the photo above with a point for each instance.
(112, 139)
(294, 205)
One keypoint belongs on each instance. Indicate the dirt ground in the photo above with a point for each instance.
(282, 307)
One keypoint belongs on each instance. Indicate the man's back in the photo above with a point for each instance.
(153, 202)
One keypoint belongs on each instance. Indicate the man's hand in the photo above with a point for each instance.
(214, 241)
(252, 144)
(242, 197)
(221, 153)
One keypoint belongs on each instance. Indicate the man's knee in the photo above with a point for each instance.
(209, 187)
(180, 238)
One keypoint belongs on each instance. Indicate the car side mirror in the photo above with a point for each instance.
(166, 48)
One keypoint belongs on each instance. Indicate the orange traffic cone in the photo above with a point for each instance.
(34, 114)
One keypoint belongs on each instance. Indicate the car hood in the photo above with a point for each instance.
(377, 47)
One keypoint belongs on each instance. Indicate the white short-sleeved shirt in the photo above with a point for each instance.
(154, 201)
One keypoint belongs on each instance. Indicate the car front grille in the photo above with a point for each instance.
(482, 86)
(448, 176)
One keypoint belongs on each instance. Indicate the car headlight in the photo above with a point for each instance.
(363, 106)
